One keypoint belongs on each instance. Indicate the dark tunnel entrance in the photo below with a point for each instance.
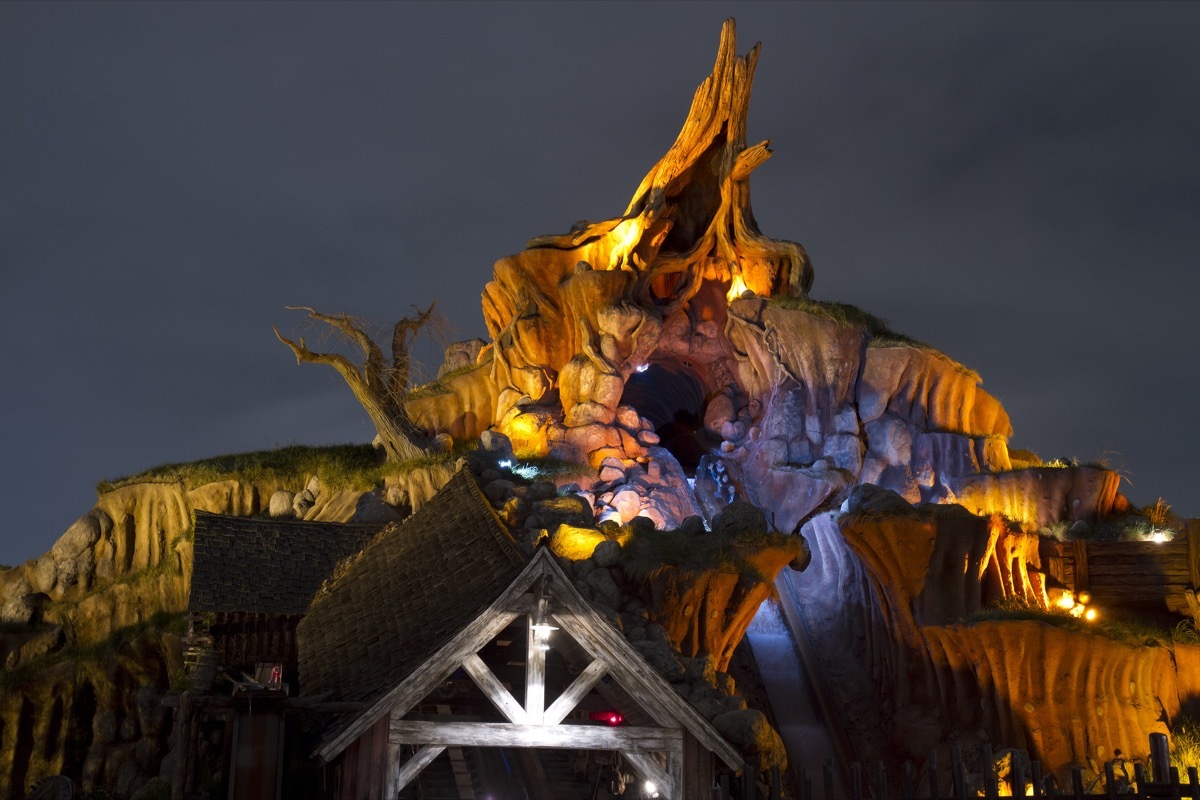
(671, 395)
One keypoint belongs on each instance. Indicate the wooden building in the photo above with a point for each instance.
(442, 662)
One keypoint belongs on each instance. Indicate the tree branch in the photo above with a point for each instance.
(373, 356)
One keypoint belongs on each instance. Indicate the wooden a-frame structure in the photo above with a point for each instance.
(676, 753)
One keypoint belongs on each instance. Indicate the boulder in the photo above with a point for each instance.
(661, 658)
(497, 444)
(740, 518)
(281, 504)
(751, 733)
(459, 355)
(607, 553)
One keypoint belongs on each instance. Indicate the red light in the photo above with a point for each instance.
(609, 717)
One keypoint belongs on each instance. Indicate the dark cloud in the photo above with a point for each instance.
(1015, 183)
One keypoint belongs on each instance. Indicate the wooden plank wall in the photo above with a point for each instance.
(364, 765)
(1145, 576)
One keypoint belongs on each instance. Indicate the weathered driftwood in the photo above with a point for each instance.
(379, 385)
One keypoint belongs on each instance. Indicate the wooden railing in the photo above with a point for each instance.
(1113, 785)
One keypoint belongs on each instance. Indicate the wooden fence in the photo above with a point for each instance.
(1113, 785)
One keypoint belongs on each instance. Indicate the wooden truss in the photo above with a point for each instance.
(542, 592)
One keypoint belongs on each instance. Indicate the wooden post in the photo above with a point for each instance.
(776, 784)
(1160, 757)
(881, 775)
(1017, 778)
(1077, 783)
(749, 790)
(535, 669)
(723, 787)
(956, 774)
(856, 781)
(1139, 777)
(1083, 580)
(1193, 784)
(933, 775)
(1038, 788)
(827, 776)
(1193, 539)
(1110, 780)
(906, 781)
(991, 787)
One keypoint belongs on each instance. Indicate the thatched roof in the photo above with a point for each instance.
(267, 566)
(411, 590)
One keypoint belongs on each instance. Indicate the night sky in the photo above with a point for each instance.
(1017, 184)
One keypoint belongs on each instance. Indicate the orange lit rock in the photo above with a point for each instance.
(885, 598)
(1040, 495)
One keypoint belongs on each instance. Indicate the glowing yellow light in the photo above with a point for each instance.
(1066, 602)
(736, 287)
(1090, 615)
(1077, 610)
(1085, 597)
(1159, 537)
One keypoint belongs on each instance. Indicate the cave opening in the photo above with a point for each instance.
(670, 393)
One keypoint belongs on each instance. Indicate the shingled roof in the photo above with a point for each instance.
(267, 566)
(406, 595)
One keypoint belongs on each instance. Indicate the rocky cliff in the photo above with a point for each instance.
(894, 600)
(91, 629)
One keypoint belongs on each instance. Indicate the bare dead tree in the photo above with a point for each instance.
(379, 385)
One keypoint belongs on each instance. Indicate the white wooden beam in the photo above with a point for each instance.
(486, 680)
(425, 678)
(535, 667)
(562, 737)
(648, 769)
(420, 760)
(391, 789)
(571, 696)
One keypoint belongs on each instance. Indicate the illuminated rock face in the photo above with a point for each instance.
(679, 324)
(886, 598)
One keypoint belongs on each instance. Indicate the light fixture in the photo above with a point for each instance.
(505, 464)
(540, 627)
(641, 368)
(650, 789)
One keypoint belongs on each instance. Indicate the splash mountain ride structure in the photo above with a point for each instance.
(664, 431)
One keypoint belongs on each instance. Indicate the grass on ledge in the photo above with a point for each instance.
(1126, 630)
(440, 386)
(877, 330)
(648, 552)
(337, 466)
